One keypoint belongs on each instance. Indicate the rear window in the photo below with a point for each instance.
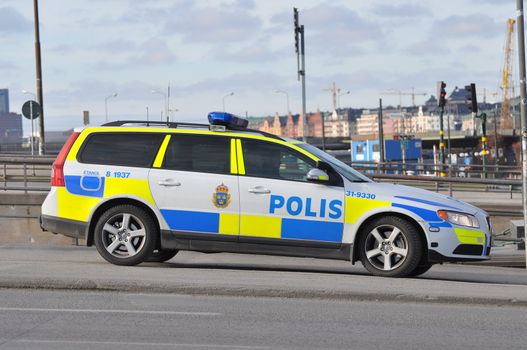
(125, 149)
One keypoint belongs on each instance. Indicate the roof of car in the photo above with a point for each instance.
(158, 126)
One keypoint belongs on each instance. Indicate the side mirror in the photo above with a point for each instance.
(317, 175)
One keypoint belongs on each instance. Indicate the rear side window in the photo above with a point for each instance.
(198, 153)
(125, 149)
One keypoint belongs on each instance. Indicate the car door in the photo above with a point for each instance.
(194, 188)
(278, 204)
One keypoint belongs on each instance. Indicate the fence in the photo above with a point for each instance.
(33, 174)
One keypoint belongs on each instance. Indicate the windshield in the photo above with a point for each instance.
(341, 167)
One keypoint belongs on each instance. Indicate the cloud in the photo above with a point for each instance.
(12, 21)
(427, 47)
(401, 10)
(227, 24)
(252, 53)
(118, 44)
(252, 81)
(7, 65)
(333, 29)
(154, 51)
(475, 25)
(470, 48)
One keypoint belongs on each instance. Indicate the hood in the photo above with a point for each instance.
(417, 196)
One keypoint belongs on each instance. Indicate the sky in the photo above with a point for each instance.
(206, 49)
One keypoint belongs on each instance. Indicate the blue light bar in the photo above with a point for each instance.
(228, 119)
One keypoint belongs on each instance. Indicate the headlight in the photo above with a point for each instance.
(457, 218)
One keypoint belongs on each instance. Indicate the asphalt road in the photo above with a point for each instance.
(36, 319)
(81, 268)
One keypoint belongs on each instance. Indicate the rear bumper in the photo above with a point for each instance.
(66, 227)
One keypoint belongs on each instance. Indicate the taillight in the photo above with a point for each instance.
(57, 170)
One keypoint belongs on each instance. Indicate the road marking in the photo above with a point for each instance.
(109, 311)
(36, 341)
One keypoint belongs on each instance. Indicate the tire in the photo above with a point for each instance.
(125, 235)
(390, 247)
(420, 269)
(161, 255)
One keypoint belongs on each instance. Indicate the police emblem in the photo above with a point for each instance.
(221, 198)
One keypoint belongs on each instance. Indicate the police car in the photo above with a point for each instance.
(142, 191)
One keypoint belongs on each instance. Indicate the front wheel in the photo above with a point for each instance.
(391, 247)
(125, 235)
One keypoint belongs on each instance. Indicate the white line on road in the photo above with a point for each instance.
(110, 311)
(84, 342)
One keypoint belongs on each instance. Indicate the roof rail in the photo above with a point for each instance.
(155, 123)
(176, 125)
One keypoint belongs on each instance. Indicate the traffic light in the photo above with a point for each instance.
(295, 15)
(441, 93)
(472, 99)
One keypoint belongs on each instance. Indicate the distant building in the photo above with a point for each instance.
(368, 124)
(339, 125)
(4, 101)
(422, 123)
(10, 129)
(289, 126)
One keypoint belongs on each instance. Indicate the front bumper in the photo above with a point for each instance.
(66, 227)
(436, 257)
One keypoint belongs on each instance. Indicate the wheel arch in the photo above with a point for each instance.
(401, 214)
(102, 207)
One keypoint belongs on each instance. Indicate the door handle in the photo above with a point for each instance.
(169, 183)
(259, 190)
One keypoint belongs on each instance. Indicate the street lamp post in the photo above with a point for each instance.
(32, 137)
(338, 99)
(224, 97)
(106, 104)
(166, 103)
(287, 96)
(38, 61)
(171, 113)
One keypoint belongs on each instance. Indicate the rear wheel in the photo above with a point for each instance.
(125, 235)
(390, 246)
(161, 255)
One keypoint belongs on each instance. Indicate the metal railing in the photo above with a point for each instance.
(32, 174)
(25, 173)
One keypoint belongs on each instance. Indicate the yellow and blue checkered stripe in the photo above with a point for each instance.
(253, 225)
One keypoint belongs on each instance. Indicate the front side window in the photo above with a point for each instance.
(121, 149)
(269, 160)
(198, 153)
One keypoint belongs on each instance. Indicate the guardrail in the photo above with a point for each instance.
(31, 174)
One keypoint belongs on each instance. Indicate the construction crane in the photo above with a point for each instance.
(401, 93)
(335, 94)
(486, 93)
(334, 91)
(506, 79)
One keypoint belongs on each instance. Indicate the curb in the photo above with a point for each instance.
(196, 290)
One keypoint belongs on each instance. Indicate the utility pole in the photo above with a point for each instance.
(441, 93)
(168, 103)
(381, 134)
(523, 112)
(301, 65)
(323, 131)
(38, 59)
